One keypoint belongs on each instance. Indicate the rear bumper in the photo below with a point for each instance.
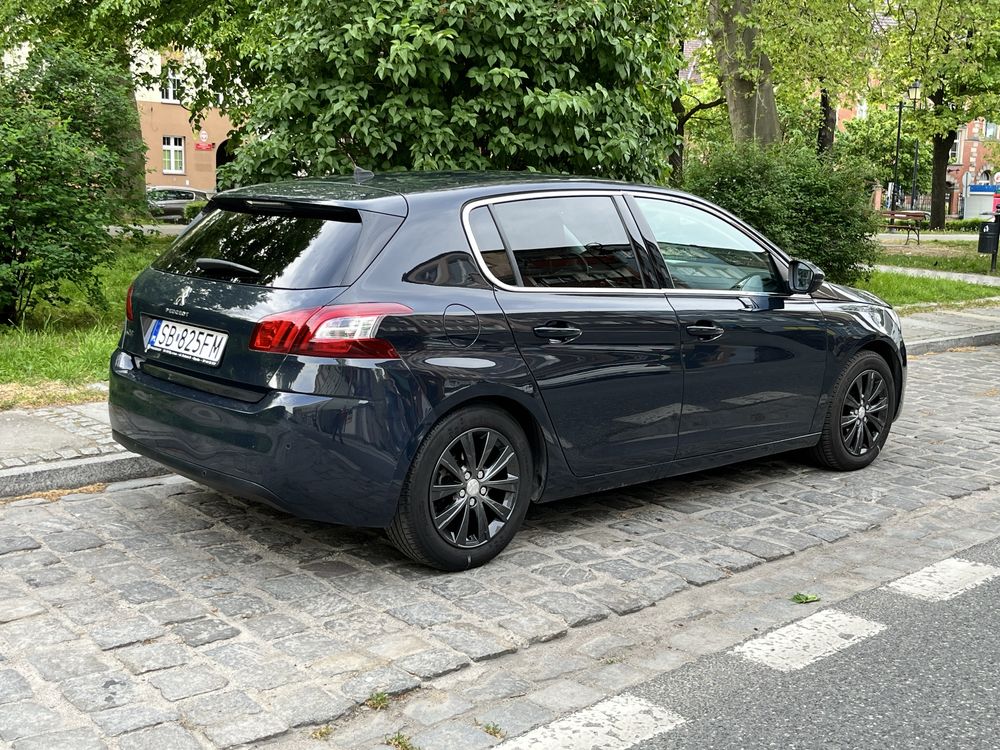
(323, 458)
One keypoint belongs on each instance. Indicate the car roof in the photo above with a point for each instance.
(388, 192)
(177, 187)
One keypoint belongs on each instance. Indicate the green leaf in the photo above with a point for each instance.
(805, 598)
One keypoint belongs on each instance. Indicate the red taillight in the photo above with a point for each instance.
(128, 302)
(277, 333)
(348, 331)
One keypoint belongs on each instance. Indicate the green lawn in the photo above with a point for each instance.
(967, 263)
(898, 289)
(61, 348)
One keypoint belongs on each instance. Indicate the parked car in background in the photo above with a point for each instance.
(168, 202)
(432, 352)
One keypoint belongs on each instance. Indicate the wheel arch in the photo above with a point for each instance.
(537, 431)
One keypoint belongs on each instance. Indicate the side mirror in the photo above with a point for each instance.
(804, 277)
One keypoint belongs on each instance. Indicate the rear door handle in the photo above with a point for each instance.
(705, 331)
(556, 331)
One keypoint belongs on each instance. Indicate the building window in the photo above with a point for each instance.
(991, 131)
(861, 111)
(170, 91)
(173, 154)
(955, 155)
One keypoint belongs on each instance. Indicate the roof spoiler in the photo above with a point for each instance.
(284, 207)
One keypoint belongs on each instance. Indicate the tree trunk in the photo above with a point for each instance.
(939, 176)
(677, 155)
(745, 72)
(828, 123)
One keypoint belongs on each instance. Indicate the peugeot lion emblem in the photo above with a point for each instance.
(182, 297)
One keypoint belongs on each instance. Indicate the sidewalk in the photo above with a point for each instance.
(71, 446)
(899, 238)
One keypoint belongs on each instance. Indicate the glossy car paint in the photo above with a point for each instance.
(333, 440)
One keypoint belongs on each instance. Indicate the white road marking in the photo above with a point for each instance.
(800, 644)
(944, 580)
(612, 724)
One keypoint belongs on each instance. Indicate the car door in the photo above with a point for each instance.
(754, 355)
(177, 200)
(595, 334)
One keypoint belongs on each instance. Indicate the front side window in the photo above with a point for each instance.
(576, 241)
(173, 154)
(701, 251)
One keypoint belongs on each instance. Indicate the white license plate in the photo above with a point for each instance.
(190, 342)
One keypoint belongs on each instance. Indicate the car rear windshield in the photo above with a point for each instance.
(288, 249)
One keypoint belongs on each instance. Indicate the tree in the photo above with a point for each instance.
(871, 141)
(58, 176)
(822, 51)
(119, 29)
(953, 49)
(575, 86)
(744, 71)
(93, 96)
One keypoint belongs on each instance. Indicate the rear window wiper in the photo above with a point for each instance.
(225, 266)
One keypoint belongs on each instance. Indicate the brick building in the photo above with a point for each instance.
(176, 153)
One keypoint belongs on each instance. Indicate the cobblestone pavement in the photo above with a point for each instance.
(165, 615)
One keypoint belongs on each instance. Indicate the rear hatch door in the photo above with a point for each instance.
(196, 307)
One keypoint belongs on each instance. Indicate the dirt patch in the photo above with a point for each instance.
(53, 495)
(931, 248)
(46, 393)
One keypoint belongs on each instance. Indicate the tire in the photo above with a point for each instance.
(447, 520)
(860, 414)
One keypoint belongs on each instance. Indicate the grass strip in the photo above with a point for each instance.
(61, 349)
(900, 289)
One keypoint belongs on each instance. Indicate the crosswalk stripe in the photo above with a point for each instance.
(944, 580)
(810, 639)
(613, 724)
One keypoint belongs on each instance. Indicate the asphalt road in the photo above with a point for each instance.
(930, 678)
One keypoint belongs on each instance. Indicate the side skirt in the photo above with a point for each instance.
(619, 479)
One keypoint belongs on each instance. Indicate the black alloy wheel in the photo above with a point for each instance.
(860, 414)
(474, 487)
(865, 414)
(467, 491)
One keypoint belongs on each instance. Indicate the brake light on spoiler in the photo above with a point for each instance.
(349, 331)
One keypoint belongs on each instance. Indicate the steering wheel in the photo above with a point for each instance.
(742, 283)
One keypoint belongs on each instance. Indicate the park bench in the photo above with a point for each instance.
(909, 220)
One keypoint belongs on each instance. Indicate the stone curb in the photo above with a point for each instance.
(985, 338)
(77, 472)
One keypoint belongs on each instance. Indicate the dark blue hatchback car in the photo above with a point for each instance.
(431, 352)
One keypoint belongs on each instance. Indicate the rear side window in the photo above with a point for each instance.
(577, 241)
(288, 251)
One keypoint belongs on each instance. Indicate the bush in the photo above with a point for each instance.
(964, 225)
(810, 206)
(193, 208)
(61, 181)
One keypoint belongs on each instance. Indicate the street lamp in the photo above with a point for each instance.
(914, 94)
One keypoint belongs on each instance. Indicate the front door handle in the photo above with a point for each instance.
(705, 331)
(557, 331)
